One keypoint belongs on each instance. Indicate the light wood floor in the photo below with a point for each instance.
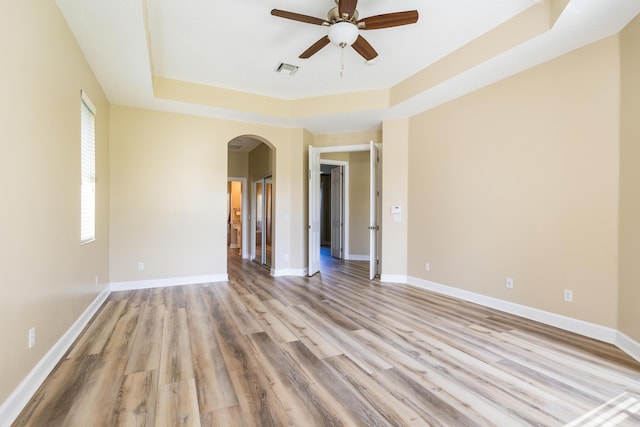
(334, 349)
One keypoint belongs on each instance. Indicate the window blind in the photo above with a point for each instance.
(87, 170)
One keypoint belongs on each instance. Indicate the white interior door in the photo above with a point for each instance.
(314, 211)
(337, 220)
(374, 195)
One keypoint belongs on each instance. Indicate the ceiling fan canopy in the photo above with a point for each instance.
(344, 27)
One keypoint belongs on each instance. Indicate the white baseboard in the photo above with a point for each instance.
(289, 272)
(393, 278)
(171, 281)
(16, 402)
(591, 330)
(628, 345)
(354, 257)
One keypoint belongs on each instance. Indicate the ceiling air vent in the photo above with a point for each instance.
(287, 69)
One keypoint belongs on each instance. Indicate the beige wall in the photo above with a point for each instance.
(260, 162)
(238, 164)
(629, 316)
(168, 193)
(349, 138)
(395, 187)
(359, 181)
(48, 277)
(520, 179)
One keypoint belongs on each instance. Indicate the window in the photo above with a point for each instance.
(87, 170)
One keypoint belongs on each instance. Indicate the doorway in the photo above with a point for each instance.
(237, 216)
(263, 221)
(334, 207)
(251, 159)
(371, 228)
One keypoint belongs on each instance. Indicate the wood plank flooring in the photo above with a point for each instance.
(333, 349)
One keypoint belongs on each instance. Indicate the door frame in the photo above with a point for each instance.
(374, 208)
(244, 214)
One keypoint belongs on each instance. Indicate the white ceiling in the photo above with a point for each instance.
(238, 45)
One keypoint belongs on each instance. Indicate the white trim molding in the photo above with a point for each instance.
(16, 402)
(300, 272)
(172, 281)
(587, 329)
(393, 278)
(354, 257)
(628, 345)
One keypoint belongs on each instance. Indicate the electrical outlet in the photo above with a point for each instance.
(568, 295)
(32, 337)
(286, 257)
(427, 267)
(509, 282)
(96, 280)
(141, 266)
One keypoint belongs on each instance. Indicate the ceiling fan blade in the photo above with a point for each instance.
(364, 48)
(388, 20)
(347, 8)
(315, 47)
(299, 17)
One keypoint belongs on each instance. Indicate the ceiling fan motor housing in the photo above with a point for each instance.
(333, 16)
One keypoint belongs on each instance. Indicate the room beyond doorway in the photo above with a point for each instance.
(334, 207)
(251, 161)
(236, 215)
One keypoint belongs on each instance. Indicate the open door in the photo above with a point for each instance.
(314, 211)
(337, 211)
(374, 202)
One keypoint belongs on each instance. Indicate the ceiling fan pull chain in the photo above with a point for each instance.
(341, 60)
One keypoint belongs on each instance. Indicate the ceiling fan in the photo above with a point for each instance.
(344, 27)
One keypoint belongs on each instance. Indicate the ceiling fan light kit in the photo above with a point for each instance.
(343, 33)
(344, 27)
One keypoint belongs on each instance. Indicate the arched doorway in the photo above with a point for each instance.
(251, 171)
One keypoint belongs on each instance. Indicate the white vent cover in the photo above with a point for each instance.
(287, 69)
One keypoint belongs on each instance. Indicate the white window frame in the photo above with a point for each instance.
(87, 170)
